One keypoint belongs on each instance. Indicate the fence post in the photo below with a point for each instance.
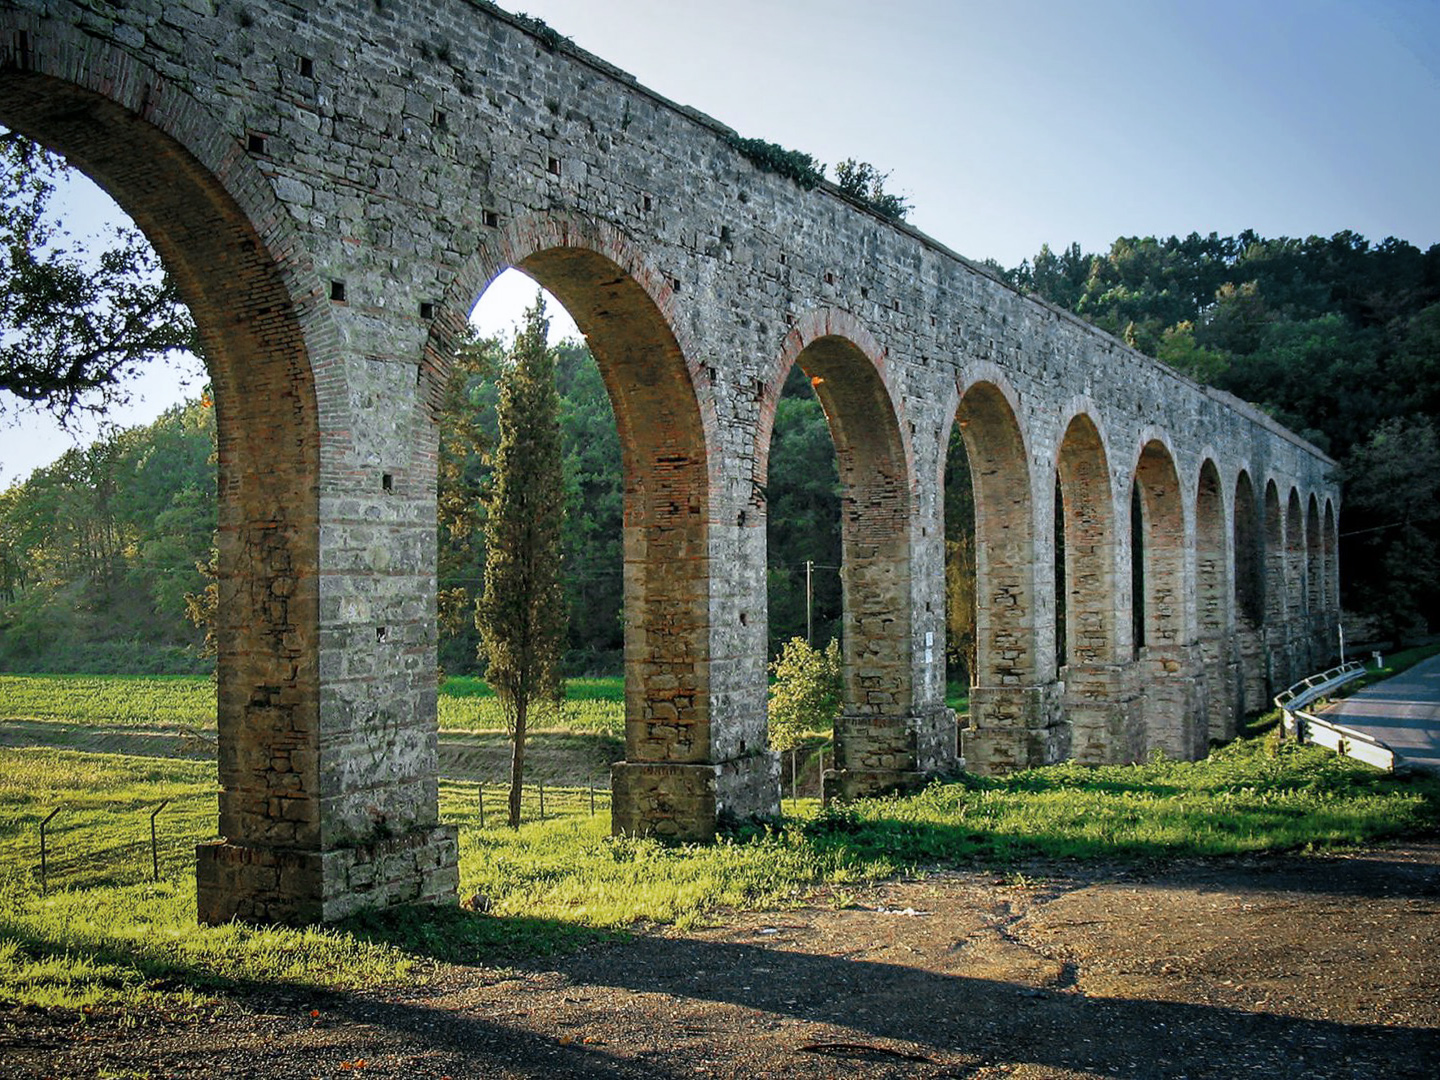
(44, 854)
(154, 844)
(822, 777)
(480, 797)
(592, 800)
(542, 800)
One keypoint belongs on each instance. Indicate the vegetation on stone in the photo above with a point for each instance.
(771, 157)
(864, 182)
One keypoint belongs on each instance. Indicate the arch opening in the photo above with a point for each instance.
(665, 492)
(1277, 600)
(1001, 547)
(876, 744)
(1213, 604)
(802, 521)
(1297, 591)
(1250, 595)
(1099, 696)
(1320, 648)
(1173, 719)
(991, 596)
(253, 335)
(1332, 566)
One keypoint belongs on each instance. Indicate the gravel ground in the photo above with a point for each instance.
(1275, 966)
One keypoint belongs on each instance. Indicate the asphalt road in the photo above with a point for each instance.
(1403, 712)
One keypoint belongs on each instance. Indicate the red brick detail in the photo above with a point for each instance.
(1007, 649)
(1092, 630)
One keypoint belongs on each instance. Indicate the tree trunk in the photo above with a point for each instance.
(517, 762)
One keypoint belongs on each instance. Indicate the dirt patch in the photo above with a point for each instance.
(1286, 966)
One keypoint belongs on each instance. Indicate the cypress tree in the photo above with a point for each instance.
(521, 616)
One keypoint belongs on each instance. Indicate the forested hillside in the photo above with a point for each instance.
(98, 551)
(1335, 337)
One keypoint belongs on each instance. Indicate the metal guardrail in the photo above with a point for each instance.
(1307, 727)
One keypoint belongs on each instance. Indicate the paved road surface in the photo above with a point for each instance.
(1403, 712)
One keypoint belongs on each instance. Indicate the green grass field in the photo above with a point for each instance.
(106, 936)
(187, 702)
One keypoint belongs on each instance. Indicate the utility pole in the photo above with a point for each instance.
(809, 620)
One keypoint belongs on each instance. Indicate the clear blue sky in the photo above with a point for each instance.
(1013, 124)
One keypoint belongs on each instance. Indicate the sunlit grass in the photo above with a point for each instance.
(187, 702)
(174, 701)
(107, 936)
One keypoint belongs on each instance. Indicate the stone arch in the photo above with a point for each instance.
(1277, 601)
(1213, 604)
(1297, 594)
(1164, 548)
(1315, 581)
(1172, 717)
(875, 741)
(1004, 524)
(667, 783)
(1250, 594)
(1099, 703)
(1332, 564)
(1249, 552)
(267, 331)
(1212, 577)
(1092, 633)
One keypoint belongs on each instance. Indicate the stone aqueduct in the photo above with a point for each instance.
(334, 184)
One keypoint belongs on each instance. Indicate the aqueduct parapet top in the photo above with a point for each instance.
(334, 184)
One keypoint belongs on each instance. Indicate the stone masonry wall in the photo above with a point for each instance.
(338, 183)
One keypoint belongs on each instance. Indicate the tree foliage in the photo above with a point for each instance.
(74, 323)
(466, 432)
(806, 693)
(863, 181)
(99, 550)
(521, 615)
(1336, 337)
(960, 639)
(803, 519)
(1394, 479)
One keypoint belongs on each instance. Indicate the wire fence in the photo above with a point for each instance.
(486, 805)
(83, 843)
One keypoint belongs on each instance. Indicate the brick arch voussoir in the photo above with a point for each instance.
(969, 377)
(531, 234)
(1152, 433)
(810, 327)
(32, 45)
(1224, 499)
(1082, 406)
(1225, 490)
